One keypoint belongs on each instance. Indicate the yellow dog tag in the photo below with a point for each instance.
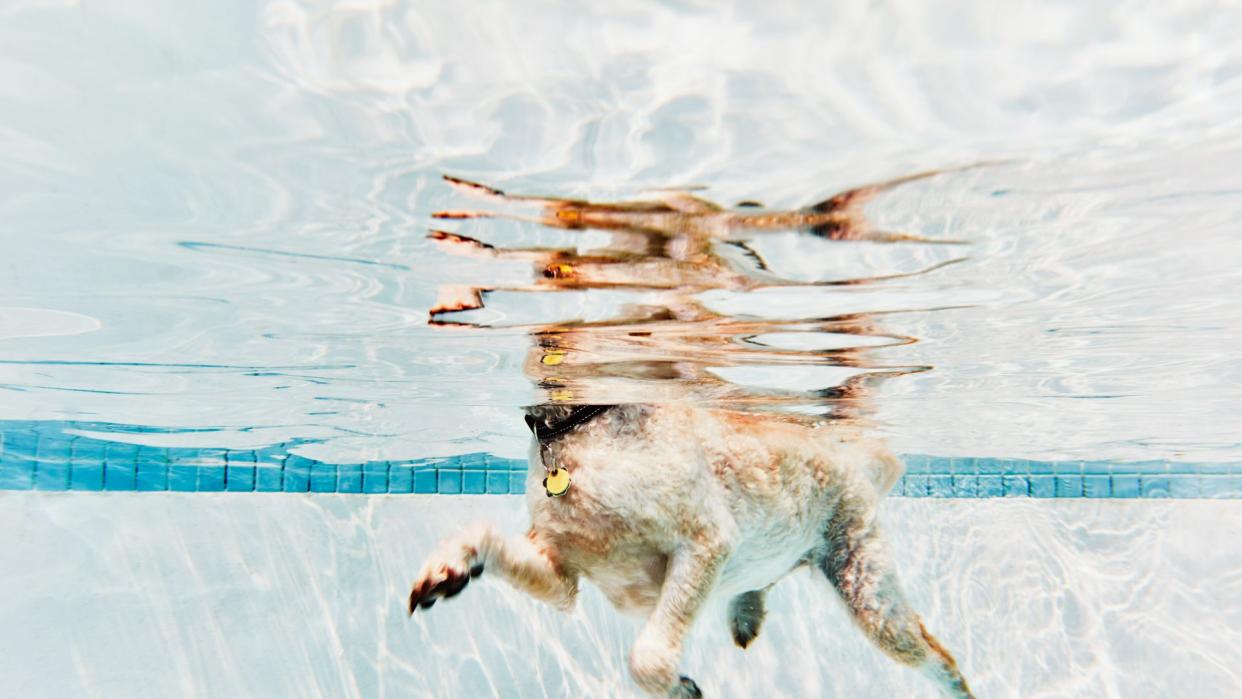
(557, 482)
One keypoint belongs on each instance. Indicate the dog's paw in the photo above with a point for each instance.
(653, 665)
(744, 633)
(685, 689)
(746, 612)
(444, 576)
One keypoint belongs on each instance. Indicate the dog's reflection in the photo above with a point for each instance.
(649, 479)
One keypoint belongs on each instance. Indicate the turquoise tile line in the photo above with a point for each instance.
(50, 456)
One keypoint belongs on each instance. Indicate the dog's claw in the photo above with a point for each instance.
(426, 593)
(419, 599)
(686, 689)
(454, 586)
(743, 637)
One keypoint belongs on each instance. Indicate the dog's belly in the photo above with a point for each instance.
(631, 578)
(761, 559)
(631, 582)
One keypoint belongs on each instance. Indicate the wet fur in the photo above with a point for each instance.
(659, 521)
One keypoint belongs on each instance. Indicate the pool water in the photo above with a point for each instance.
(214, 264)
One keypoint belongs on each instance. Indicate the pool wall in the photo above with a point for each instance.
(45, 455)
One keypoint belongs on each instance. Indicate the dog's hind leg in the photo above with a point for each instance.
(522, 562)
(746, 612)
(857, 563)
(689, 578)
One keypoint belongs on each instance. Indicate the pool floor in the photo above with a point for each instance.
(266, 595)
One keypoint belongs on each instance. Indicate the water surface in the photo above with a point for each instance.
(216, 216)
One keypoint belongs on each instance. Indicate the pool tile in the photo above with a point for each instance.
(1098, 468)
(323, 477)
(239, 467)
(1069, 486)
(119, 467)
(1043, 486)
(966, 485)
(1067, 468)
(991, 486)
(53, 452)
(86, 471)
(1040, 468)
(517, 482)
(1154, 486)
(450, 482)
(917, 463)
(497, 481)
(297, 473)
(349, 478)
(48, 458)
(1126, 486)
(16, 473)
(211, 478)
(20, 444)
(1143, 467)
(1184, 486)
(1217, 486)
(375, 477)
(183, 477)
(1016, 485)
(151, 469)
(426, 480)
(474, 482)
(269, 473)
(1095, 486)
(940, 486)
(1011, 467)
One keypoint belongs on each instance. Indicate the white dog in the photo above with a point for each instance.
(661, 505)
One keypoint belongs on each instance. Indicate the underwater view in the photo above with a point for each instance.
(686, 349)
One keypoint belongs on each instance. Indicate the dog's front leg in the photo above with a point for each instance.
(524, 563)
(689, 578)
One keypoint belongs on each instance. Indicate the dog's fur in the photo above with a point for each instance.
(673, 502)
(658, 521)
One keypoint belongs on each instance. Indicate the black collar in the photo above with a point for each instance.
(579, 415)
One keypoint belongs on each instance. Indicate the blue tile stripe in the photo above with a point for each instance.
(49, 455)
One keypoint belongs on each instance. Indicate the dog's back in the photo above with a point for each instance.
(642, 485)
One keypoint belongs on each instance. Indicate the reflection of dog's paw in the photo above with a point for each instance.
(443, 576)
(685, 689)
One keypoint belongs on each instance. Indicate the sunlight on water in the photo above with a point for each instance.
(239, 200)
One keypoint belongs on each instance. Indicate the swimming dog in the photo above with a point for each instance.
(663, 504)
